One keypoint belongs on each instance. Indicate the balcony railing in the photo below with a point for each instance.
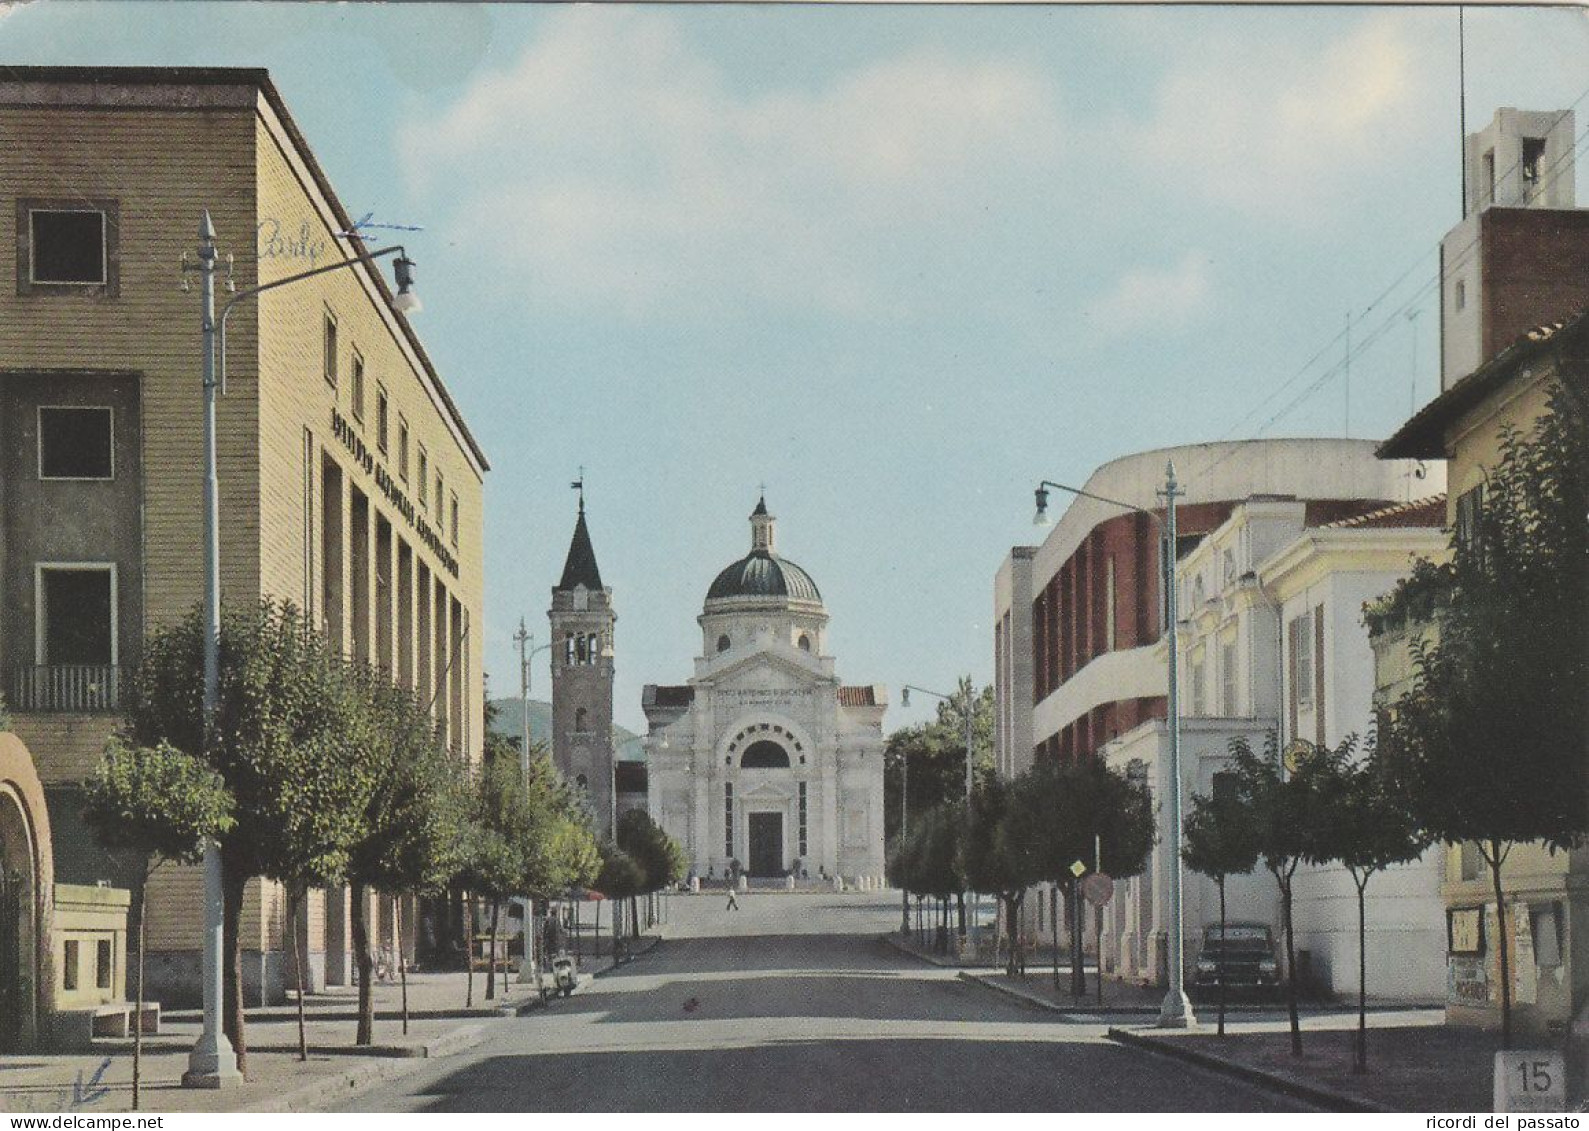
(66, 687)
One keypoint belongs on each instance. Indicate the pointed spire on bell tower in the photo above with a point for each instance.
(761, 527)
(580, 567)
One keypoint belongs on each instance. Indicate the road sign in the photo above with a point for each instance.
(1098, 888)
(1078, 869)
(1530, 1080)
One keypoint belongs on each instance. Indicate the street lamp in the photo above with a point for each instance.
(904, 701)
(527, 652)
(1176, 1012)
(213, 1062)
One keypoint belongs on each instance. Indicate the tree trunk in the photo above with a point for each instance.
(232, 886)
(364, 960)
(1078, 972)
(491, 953)
(1495, 861)
(295, 895)
(1219, 882)
(1362, 977)
(1291, 968)
(960, 905)
(1053, 892)
(402, 958)
(468, 951)
(137, 1027)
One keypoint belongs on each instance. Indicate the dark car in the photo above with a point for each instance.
(1244, 956)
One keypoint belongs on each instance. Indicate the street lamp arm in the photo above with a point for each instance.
(255, 292)
(1042, 499)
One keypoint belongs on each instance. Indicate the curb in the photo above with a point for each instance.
(1315, 1094)
(650, 944)
(343, 1085)
(916, 954)
(1090, 1010)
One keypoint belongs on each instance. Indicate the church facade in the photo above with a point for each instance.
(765, 757)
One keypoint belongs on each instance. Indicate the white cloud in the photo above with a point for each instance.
(1155, 298)
(618, 165)
(1280, 127)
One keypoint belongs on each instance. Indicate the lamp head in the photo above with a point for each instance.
(405, 300)
(1041, 517)
(904, 697)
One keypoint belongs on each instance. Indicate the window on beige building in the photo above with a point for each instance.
(328, 344)
(402, 447)
(452, 520)
(66, 246)
(76, 442)
(383, 410)
(356, 388)
(422, 486)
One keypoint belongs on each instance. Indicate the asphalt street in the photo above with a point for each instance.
(793, 1004)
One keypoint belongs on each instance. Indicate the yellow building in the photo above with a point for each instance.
(1547, 893)
(349, 481)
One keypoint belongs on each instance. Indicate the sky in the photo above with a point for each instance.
(896, 263)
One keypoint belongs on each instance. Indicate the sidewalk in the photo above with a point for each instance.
(1415, 1062)
(101, 1081)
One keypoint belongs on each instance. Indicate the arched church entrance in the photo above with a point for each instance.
(25, 877)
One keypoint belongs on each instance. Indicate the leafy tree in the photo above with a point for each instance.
(936, 756)
(927, 861)
(659, 856)
(496, 847)
(1219, 841)
(1367, 824)
(1286, 815)
(998, 852)
(156, 804)
(411, 839)
(287, 750)
(622, 877)
(1490, 742)
(1078, 808)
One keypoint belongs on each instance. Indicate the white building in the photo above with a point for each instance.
(764, 757)
(1274, 649)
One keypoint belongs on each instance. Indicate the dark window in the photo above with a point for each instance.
(581, 719)
(330, 349)
(1533, 154)
(452, 521)
(102, 964)
(423, 485)
(764, 755)
(728, 819)
(722, 643)
(803, 839)
(69, 965)
(382, 417)
(75, 443)
(76, 616)
(402, 448)
(805, 643)
(1470, 514)
(356, 393)
(1224, 786)
(69, 246)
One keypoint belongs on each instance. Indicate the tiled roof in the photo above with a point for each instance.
(676, 695)
(1423, 437)
(1424, 512)
(865, 696)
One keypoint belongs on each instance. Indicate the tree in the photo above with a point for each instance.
(1367, 825)
(1286, 814)
(1219, 841)
(411, 837)
(1078, 809)
(288, 750)
(997, 853)
(496, 848)
(660, 856)
(927, 861)
(1490, 742)
(156, 804)
(930, 758)
(621, 877)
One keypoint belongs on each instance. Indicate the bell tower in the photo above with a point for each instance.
(582, 671)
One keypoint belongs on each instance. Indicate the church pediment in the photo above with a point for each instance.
(765, 792)
(764, 671)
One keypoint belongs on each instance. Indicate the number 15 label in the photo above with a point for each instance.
(1530, 1081)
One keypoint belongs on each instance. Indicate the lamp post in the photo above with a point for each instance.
(212, 1063)
(527, 652)
(1176, 1010)
(904, 701)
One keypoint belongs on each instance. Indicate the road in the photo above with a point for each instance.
(793, 1004)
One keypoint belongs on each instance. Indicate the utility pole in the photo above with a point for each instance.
(523, 639)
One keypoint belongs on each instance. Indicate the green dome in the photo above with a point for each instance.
(761, 573)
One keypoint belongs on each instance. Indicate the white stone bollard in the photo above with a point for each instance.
(695, 885)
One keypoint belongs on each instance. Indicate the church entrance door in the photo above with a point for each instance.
(766, 844)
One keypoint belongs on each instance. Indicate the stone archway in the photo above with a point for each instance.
(26, 888)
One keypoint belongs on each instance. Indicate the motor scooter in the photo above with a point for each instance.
(564, 975)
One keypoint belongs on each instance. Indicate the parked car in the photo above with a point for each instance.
(1244, 956)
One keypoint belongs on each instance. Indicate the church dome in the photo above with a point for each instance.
(762, 573)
